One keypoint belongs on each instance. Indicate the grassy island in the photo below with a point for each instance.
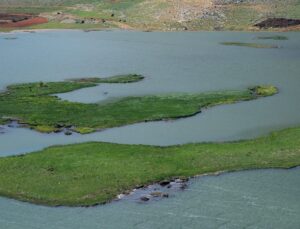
(250, 45)
(91, 173)
(275, 37)
(35, 106)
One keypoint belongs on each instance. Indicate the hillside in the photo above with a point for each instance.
(166, 15)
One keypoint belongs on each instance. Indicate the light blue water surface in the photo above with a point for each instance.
(171, 62)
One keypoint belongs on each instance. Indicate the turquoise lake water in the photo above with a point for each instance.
(171, 62)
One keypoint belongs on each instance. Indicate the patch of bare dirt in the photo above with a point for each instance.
(83, 7)
(20, 20)
(184, 10)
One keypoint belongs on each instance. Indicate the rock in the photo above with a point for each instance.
(164, 182)
(183, 186)
(59, 125)
(156, 194)
(159, 194)
(144, 198)
(165, 195)
(68, 133)
(181, 180)
(169, 186)
(185, 179)
(120, 196)
(127, 192)
(139, 186)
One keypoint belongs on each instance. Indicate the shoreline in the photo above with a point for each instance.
(184, 181)
(128, 194)
(16, 31)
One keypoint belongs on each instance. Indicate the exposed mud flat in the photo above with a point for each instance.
(20, 20)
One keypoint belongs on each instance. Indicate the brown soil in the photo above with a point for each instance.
(20, 20)
(278, 23)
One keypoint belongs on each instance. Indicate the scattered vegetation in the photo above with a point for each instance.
(34, 105)
(277, 37)
(264, 90)
(94, 173)
(250, 45)
(156, 14)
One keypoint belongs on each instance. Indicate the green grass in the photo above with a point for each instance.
(58, 25)
(275, 37)
(33, 104)
(91, 173)
(250, 45)
(145, 15)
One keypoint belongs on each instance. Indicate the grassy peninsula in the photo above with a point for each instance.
(91, 173)
(35, 106)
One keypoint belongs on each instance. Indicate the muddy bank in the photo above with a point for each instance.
(20, 20)
(277, 23)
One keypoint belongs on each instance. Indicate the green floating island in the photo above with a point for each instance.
(276, 37)
(34, 105)
(250, 45)
(95, 173)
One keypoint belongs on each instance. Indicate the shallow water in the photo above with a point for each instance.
(171, 62)
(249, 199)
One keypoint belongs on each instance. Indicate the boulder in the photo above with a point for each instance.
(144, 198)
(164, 182)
